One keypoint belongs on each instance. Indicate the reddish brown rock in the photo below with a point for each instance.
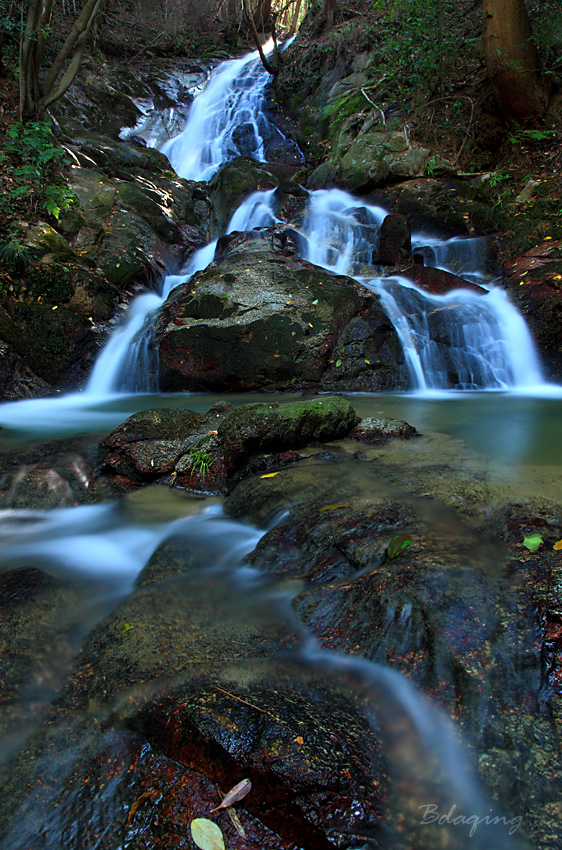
(438, 281)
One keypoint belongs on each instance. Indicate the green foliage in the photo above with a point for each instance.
(201, 462)
(414, 39)
(547, 35)
(518, 136)
(36, 177)
(15, 255)
(499, 176)
(532, 542)
(9, 20)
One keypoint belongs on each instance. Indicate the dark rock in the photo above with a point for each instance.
(177, 447)
(227, 189)
(438, 281)
(535, 279)
(148, 444)
(255, 319)
(17, 380)
(395, 243)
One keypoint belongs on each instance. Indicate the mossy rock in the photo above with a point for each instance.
(144, 203)
(232, 184)
(51, 340)
(273, 427)
(129, 250)
(44, 239)
(96, 192)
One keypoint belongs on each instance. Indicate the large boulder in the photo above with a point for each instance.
(370, 161)
(258, 319)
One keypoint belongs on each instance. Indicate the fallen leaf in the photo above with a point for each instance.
(338, 362)
(558, 545)
(137, 804)
(315, 302)
(238, 792)
(269, 475)
(207, 834)
(300, 739)
(532, 542)
(235, 819)
(397, 544)
(334, 507)
(368, 362)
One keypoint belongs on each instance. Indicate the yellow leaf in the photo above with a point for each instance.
(299, 740)
(334, 507)
(557, 277)
(558, 545)
(269, 475)
(207, 834)
(546, 238)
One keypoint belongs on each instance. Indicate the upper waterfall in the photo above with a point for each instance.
(225, 121)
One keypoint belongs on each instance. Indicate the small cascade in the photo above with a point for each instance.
(462, 340)
(227, 120)
(129, 360)
(340, 232)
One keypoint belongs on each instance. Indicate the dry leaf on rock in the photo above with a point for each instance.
(238, 792)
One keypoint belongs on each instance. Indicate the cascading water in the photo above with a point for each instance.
(462, 340)
(128, 362)
(339, 234)
(227, 120)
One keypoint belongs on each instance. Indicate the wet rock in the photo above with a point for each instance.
(38, 625)
(395, 242)
(438, 281)
(257, 319)
(255, 429)
(315, 765)
(369, 161)
(148, 444)
(232, 184)
(535, 282)
(61, 479)
(210, 453)
(17, 380)
(428, 610)
(374, 429)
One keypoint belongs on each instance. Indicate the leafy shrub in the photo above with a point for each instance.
(36, 177)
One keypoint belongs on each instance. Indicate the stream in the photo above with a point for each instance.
(491, 408)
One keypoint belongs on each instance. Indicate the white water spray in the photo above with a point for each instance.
(227, 120)
(462, 340)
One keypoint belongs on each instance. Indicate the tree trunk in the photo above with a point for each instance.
(330, 12)
(512, 61)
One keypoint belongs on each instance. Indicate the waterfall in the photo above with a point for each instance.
(129, 361)
(463, 340)
(227, 120)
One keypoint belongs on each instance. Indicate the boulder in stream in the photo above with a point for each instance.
(258, 319)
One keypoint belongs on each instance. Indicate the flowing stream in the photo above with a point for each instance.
(487, 348)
